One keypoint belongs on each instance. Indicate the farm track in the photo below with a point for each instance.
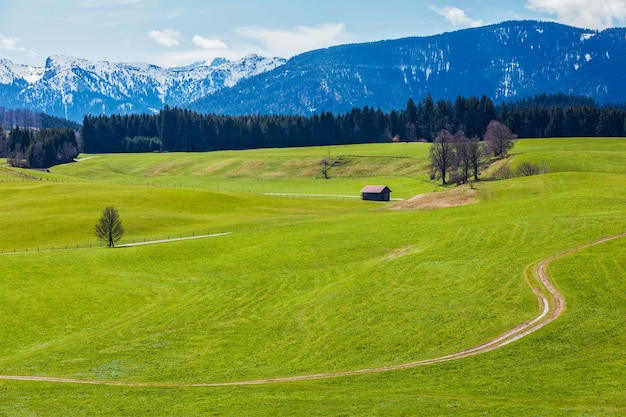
(551, 302)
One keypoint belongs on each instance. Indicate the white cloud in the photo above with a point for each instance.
(206, 43)
(265, 42)
(167, 37)
(10, 44)
(457, 17)
(13, 45)
(583, 13)
(290, 42)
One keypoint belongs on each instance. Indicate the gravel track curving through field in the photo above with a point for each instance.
(551, 302)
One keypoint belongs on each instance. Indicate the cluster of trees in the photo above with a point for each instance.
(38, 148)
(458, 157)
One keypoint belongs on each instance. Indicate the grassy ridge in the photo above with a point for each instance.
(340, 285)
(292, 170)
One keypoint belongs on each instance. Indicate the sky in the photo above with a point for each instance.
(177, 33)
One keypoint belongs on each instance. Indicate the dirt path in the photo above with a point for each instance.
(551, 302)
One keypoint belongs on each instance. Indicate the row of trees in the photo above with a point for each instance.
(175, 129)
(38, 148)
(569, 121)
(459, 157)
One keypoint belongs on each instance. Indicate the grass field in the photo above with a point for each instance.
(310, 283)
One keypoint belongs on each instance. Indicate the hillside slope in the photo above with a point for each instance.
(505, 61)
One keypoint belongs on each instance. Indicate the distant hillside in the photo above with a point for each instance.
(508, 61)
(10, 118)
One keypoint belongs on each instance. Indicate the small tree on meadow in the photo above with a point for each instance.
(499, 139)
(109, 228)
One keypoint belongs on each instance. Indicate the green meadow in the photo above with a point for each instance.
(301, 277)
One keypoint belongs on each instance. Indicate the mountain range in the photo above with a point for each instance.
(70, 87)
(505, 62)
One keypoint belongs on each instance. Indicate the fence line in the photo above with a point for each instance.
(142, 241)
(122, 243)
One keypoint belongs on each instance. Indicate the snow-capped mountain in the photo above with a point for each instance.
(71, 87)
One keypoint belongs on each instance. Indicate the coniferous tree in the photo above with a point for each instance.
(411, 126)
(428, 116)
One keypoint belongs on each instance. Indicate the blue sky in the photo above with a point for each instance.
(171, 33)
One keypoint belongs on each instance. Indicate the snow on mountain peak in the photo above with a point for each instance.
(10, 72)
(71, 87)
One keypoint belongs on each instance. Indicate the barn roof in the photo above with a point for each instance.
(375, 189)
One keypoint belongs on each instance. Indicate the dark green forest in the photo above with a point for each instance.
(176, 129)
(38, 148)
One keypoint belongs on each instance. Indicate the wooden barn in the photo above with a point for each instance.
(375, 193)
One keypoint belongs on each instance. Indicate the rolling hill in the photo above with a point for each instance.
(310, 281)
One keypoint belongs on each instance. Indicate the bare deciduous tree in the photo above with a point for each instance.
(499, 138)
(109, 228)
(462, 161)
(476, 154)
(441, 155)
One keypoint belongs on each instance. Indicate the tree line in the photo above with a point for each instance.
(540, 121)
(38, 148)
(176, 129)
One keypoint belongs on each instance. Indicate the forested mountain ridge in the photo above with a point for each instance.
(507, 61)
